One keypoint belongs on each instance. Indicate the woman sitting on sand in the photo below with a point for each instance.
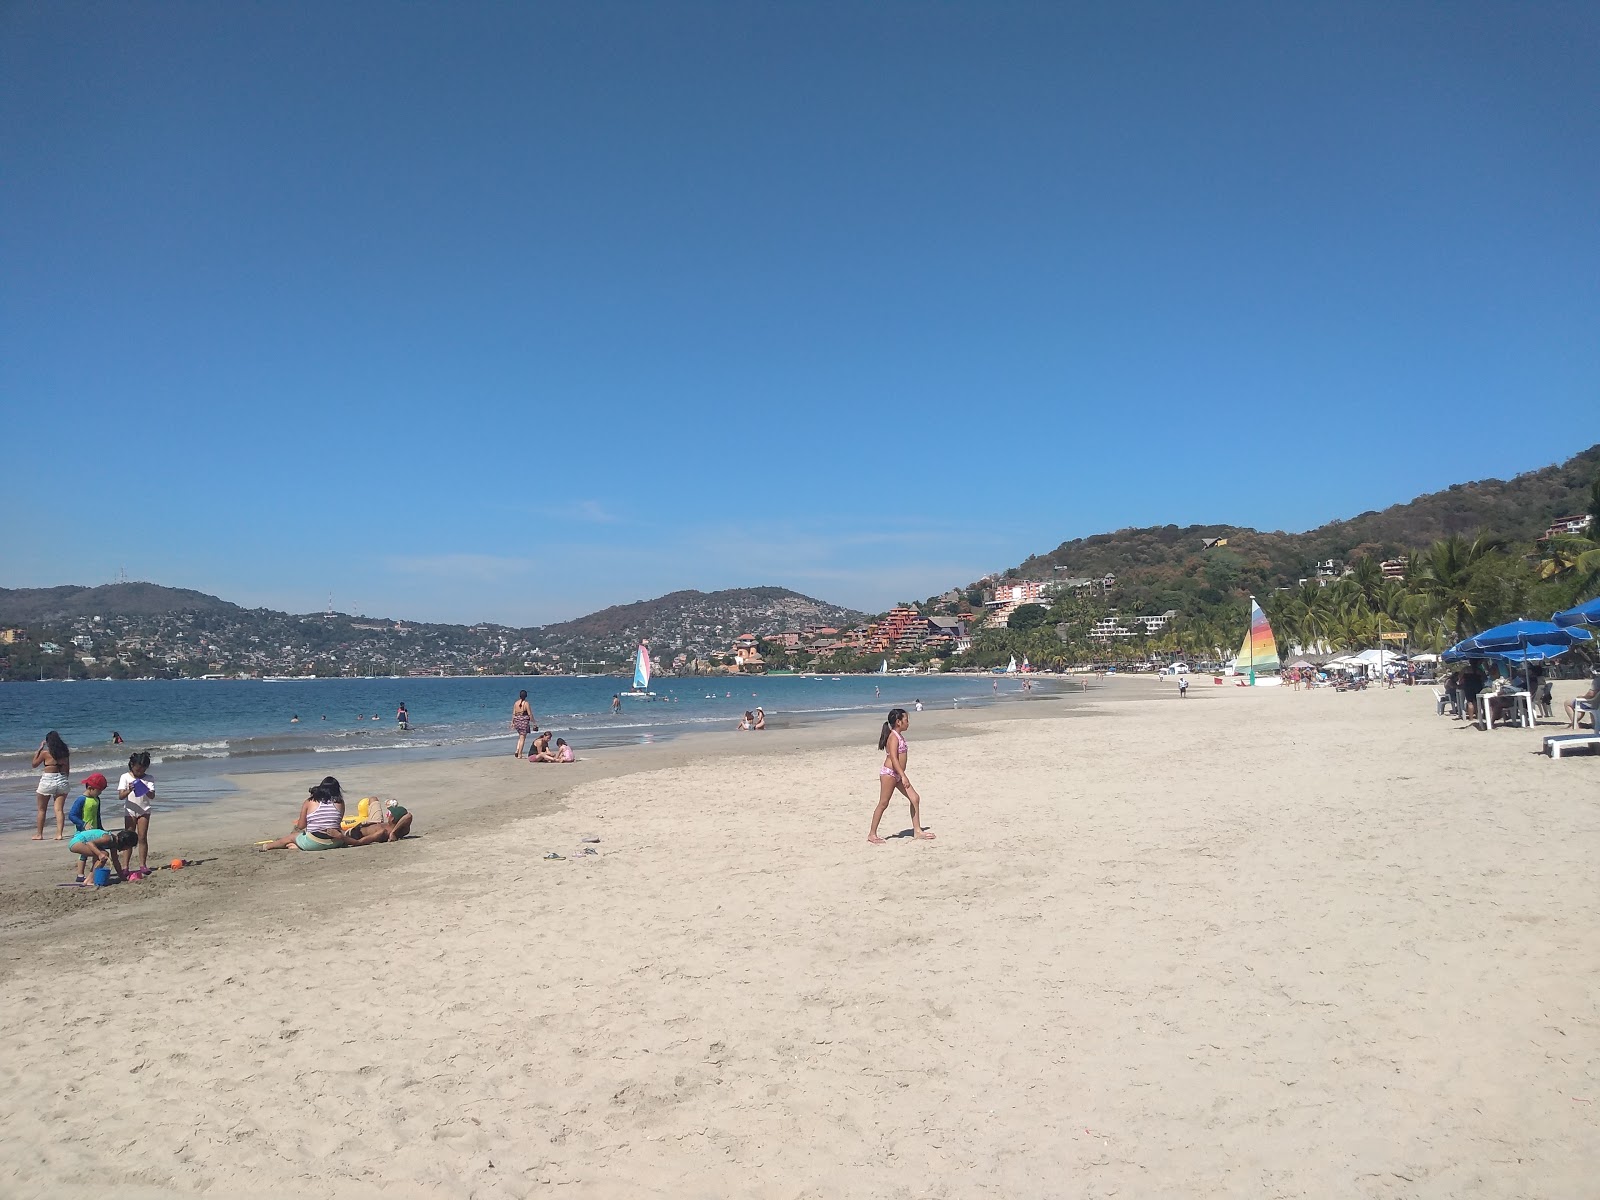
(317, 827)
(749, 721)
(540, 750)
(761, 720)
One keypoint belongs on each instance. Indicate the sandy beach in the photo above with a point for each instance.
(1253, 943)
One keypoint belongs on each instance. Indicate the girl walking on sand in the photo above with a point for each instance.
(892, 776)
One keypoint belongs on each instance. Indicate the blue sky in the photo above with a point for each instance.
(514, 311)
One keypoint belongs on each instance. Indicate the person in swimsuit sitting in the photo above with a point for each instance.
(317, 827)
(540, 750)
(892, 776)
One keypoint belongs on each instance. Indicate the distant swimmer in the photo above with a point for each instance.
(918, 703)
(116, 738)
(403, 717)
(294, 720)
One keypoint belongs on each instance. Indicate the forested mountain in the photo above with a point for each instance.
(1426, 572)
(1168, 566)
(18, 606)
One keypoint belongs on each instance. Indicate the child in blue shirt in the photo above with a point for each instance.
(85, 812)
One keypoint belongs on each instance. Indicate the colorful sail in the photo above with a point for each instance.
(1259, 653)
(641, 669)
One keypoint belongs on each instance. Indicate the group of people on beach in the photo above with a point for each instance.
(322, 824)
(91, 843)
(523, 723)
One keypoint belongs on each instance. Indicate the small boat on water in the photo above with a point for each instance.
(641, 675)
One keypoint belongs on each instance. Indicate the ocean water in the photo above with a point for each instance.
(198, 730)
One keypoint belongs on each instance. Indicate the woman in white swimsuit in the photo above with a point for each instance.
(56, 760)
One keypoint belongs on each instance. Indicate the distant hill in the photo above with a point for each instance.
(694, 621)
(144, 629)
(18, 606)
(1164, 566)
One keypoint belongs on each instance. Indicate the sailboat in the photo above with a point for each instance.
(1259, 653)
(1011, 667)
(884, 669)
(641, 675)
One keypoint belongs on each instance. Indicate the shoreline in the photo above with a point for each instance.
(193, 757)
(257, 804)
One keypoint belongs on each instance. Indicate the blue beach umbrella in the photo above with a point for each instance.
(1529, 654)
(1518, 635)
(1585, 614)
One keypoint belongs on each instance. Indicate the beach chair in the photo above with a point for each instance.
(1582, 708)
(1443, 700)
(1557, 744)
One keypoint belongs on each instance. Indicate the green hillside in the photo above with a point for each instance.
(1168, 566)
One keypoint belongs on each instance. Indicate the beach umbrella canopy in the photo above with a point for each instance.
(1585, 614)
(1515, 635)
(1529, 654)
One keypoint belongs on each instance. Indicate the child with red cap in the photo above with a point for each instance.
(85, 810)
(85, 814)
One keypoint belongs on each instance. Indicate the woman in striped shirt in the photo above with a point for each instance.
(318, 825)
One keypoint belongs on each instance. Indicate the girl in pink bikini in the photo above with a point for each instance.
(892, 776)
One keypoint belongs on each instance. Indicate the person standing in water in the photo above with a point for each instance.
(892, 776)
(402, 717)
(521, 721)
(616, 704)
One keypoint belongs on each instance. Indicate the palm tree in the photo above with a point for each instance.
(1367, 576)
(1447, 579)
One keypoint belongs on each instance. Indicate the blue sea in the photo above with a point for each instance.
(198, 730)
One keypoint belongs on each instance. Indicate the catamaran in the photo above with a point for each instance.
(1258, 656)
(641, 675)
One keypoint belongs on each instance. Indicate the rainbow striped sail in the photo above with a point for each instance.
(1259, 653)
(641, 669)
